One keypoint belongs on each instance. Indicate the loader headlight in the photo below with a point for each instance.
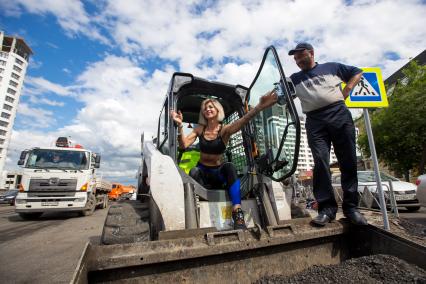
(81, 199)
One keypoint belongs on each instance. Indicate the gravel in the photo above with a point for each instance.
(367, 269)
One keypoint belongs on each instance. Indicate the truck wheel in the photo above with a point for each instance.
(30, 216)
(90, 206)
(126, 222)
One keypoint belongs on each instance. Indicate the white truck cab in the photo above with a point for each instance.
(61, 178)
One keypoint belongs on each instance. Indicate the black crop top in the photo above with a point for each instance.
(215, 146)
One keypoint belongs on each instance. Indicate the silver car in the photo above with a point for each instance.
(421, 189)
(405, 192)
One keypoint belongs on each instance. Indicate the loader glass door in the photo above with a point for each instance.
(277, 129)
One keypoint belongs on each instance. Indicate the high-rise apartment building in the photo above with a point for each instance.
(14, 56)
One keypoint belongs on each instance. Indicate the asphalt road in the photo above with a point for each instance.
(46, 250)
(416, 217)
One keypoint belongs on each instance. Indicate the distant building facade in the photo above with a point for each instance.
(14, 57)
(10, 180)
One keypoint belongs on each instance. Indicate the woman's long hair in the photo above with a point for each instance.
(220, 113)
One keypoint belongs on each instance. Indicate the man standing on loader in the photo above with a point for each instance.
(329, 121)
(213, 137)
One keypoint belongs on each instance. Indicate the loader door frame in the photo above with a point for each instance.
(162, 131)
(277, 129)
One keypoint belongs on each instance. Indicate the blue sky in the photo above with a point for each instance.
(100, 69)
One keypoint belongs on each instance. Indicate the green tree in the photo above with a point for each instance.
(400, 130)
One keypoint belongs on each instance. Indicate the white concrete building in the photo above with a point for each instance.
(14, 56)
(10, 180)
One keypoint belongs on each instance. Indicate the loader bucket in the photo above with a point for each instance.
(237, 256)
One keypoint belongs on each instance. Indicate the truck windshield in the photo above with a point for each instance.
(58, 159)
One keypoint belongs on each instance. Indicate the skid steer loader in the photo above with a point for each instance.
(181, 231)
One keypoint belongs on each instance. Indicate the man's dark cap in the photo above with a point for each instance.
(301, 46)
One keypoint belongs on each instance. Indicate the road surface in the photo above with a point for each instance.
(46, 250)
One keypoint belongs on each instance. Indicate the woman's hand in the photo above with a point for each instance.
(177, 117)
(267, 100)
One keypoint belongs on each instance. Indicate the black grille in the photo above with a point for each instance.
(53, 186)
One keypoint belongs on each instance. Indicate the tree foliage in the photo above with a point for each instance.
(400, 130)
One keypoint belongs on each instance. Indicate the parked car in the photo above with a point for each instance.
(405, 192)
(9, 196)
(421, 189)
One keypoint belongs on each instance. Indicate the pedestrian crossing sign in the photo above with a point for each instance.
(369, 92)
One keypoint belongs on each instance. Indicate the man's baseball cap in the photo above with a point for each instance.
(301, 46)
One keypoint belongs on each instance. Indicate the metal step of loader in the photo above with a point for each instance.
(241, 256)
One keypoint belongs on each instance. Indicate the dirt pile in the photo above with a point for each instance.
(368, 269)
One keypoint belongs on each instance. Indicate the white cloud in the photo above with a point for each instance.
(71, 14)
(44, 101)
(39, 85)
(35, 117)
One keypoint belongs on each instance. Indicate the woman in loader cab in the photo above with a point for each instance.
(213, 137)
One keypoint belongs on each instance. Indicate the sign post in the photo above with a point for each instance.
(368, 93)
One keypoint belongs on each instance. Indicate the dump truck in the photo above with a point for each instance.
(180, 231)
(120, 191)
(116, 191)
(60, 178)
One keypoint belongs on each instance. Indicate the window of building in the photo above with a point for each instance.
(1, 150)
(5, 115)
(3, 132)
(11, 91)
(1, 70)
(2, 63)
(4, 54)
(1, 141)
(9, 99)
(16, 68)
(7, 107)
(15, 76)
(4, 123)
(1, 78)
(20, 62)
(13, 83)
